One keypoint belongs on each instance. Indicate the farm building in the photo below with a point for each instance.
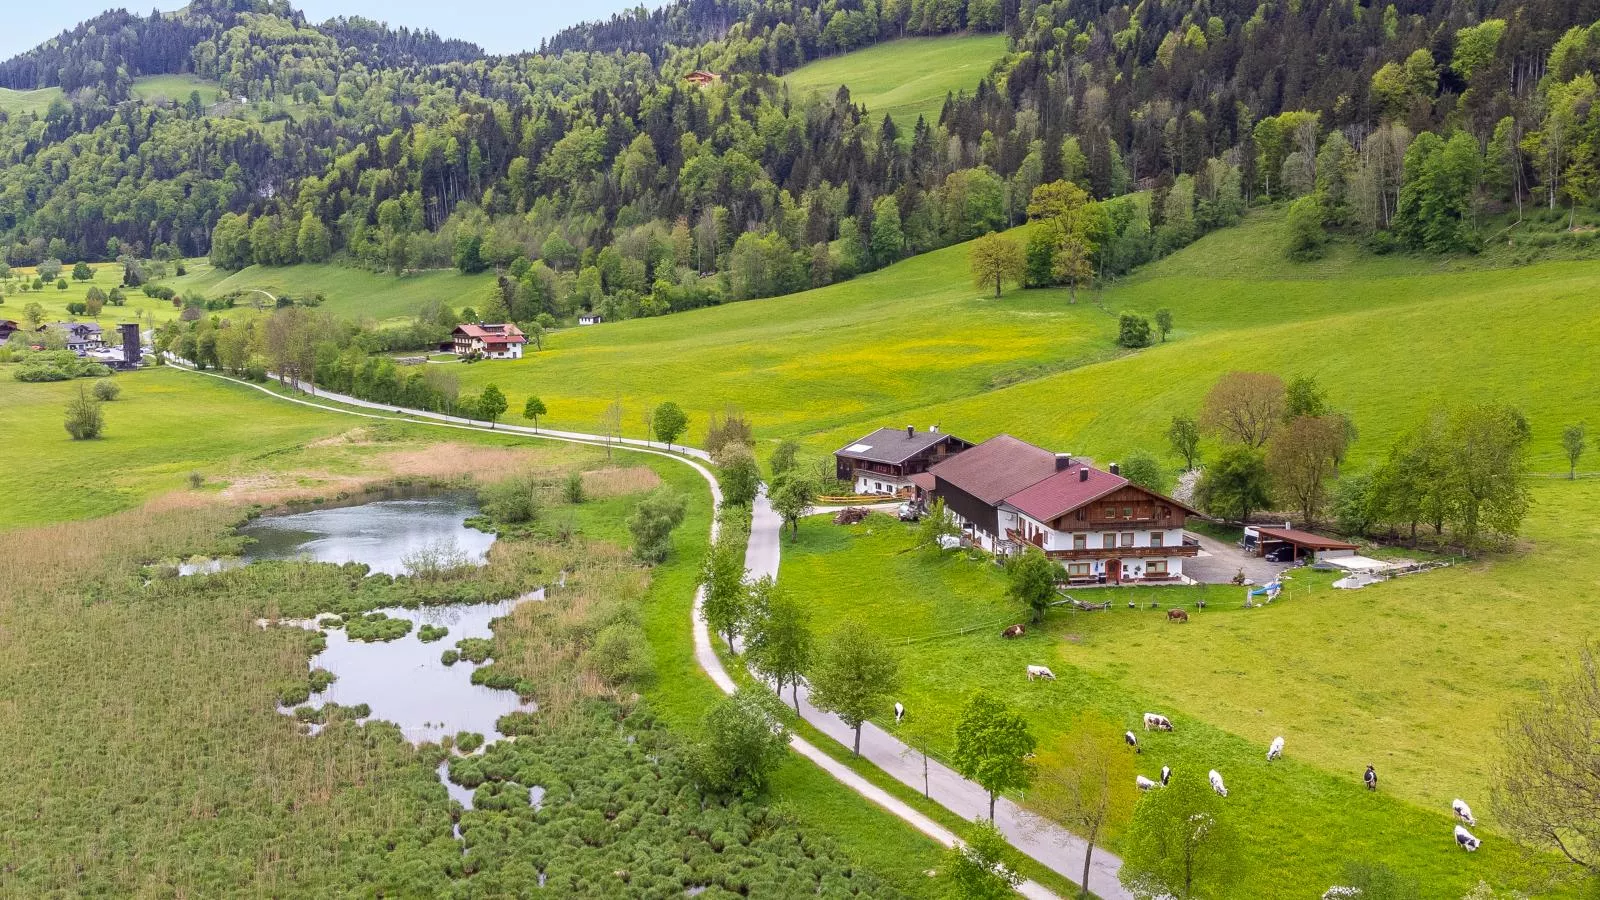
(591, 319)
(8, 327)
(81, 337)
(884, 461)
(1293, 545)
(1007, 494)
(702, 78)
(497, 341)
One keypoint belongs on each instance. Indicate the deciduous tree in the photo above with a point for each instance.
(739, 474)
(792, 495)
(779, 642)
(669, 421)
(996, 259)
(1235, 485)
(1183, 433)
(983, 867)
(1301, 461)
(853, 675)
(1573, 443)
(533, 410)
(652, 524)
(1087, 784)
(726, 605)
(1143, 469)
(1245, 407)
(744, 739)
(1181, 843)
(491, 404)
(84, 419)
(993, 743)
(1031, 581)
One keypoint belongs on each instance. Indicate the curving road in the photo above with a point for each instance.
(1048, 843)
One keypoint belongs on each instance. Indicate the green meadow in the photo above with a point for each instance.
(1412, 676)
(348, 292)
(905, 78)
(20, 103)
(176, 89)
(138, 308)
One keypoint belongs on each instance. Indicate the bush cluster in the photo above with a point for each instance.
(376, 627)
(430, 633)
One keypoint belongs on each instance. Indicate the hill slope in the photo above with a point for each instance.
(907, 79)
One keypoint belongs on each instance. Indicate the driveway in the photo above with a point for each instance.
(1218, 562)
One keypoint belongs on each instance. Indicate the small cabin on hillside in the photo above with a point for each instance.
(491, 341)
(885, 461)
(702, 78)
(591, 319)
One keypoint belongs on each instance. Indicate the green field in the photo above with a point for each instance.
(1411, 676)
(906, 78)
(19, 103)
(175, 88)
(350, 293)
(138, 308)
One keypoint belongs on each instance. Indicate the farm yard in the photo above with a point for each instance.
(1411, 676)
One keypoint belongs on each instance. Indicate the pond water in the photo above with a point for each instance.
(384, 534)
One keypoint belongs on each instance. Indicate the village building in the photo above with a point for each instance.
(497, 341)
(1006, 495)
(885, 461)
(1102, 527)
(8, 327)
(591, 319)
(81, 337)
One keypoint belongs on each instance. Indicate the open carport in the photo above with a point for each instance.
(1294, 545)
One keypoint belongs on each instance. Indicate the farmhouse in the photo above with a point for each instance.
(501, 341)
(591, 319)
(1007, 494)
(81, 337)
(702, 78)
(884, 461)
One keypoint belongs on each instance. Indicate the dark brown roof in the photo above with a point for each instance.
(997, 468)
(892, 445)
(1305, 539)
(924, 480)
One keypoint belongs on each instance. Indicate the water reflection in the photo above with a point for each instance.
(384, 534)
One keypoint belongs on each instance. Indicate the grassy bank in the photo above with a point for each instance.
(349, 293)
(1411, 676)
(907, 78)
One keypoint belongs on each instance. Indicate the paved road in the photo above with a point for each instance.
(1044, 841)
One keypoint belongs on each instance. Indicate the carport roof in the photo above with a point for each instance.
(1304, 539)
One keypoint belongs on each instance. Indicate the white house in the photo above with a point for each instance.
(499, 341)
(591, 319)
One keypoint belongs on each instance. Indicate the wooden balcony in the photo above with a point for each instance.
(1176, 550)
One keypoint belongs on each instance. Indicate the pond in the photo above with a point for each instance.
(388, 535)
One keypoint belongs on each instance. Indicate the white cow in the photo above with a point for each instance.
(1216, 783)
(1132, 740)
(1465, 840)
(899, 712)
(1166, 775)
(1040, 672)
(1463, 811)
(1276, 750)
(1144, 783)
(1157, 721)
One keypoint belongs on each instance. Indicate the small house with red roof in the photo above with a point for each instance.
(497, 341)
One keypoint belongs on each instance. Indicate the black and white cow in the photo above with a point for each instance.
(1465, 840)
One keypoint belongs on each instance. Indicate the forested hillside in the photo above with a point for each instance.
(594, 176)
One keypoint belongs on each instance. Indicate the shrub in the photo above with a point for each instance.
(107, 391)
(320, 679)
(516, 723)
(514, 501)
(475, 649)
(294, 693)
(621, 653)
(430, 633)
(1133, 331)
(84, 419)
(450, 657)
(492, 676)
(197, 480)
(573, 489)
(468, 741)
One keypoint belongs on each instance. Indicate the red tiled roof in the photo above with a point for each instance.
(997, 468)
(1064, 492)
(1305, 539)
(492, 334)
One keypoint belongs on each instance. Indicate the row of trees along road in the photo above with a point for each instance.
(1461, 471)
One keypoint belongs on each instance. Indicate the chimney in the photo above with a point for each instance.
(131, 352)
(1063, 461)
(1083, 474)
(911, 431)
(1116, 469)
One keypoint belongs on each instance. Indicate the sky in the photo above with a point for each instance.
(499, 26)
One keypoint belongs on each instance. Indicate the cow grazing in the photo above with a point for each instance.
(1463, 811)
(1040, 672)
(1276, 750)
(899, 713)
(1131, 740)
(1157, 721)
(1166, 775)
(1371, 778)
(1014, 631)
(1177, 615)
(1144, 783)
(1465, 840)
(1216, 783)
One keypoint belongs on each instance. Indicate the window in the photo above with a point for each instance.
(1108, 541)
(1127, 512)
(1166, 511)
(1080, 541)
(1081, 515)
(1127, 539)
(1157, 538)
(1079, 570)
(1155, 567)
